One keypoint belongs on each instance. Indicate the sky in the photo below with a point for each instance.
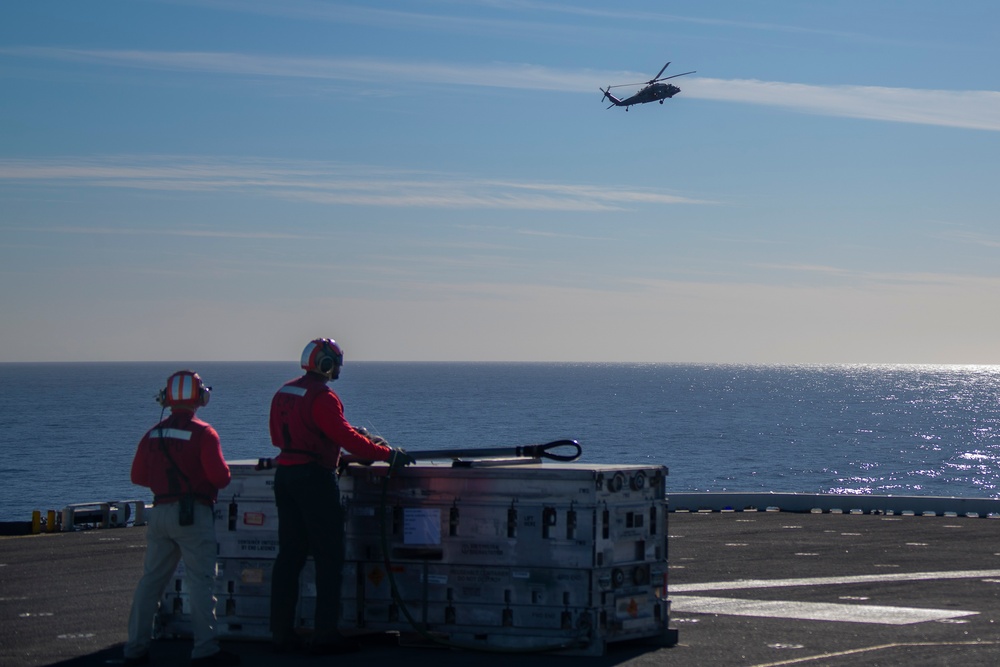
(441, 181)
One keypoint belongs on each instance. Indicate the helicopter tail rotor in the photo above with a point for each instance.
(615, 102)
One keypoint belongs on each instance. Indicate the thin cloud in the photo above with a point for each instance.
(909, 278)
(972, 238)
(123, 231)
(611, 195)
(560, 235)
(383, 18)
(497, 75)
(327, 183)
(970, 109)
(644, 18)
(521, 232)
(494, 23)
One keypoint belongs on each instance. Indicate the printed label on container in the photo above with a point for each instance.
(421, 526)
(253, 518)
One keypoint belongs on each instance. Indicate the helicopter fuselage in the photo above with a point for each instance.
(653, 93)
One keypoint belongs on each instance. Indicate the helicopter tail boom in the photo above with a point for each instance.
(615, 102)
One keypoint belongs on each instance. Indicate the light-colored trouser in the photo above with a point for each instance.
(166, 543)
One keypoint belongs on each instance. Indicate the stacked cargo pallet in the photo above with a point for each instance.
(497, 556)
(246, 527)
(514, 557)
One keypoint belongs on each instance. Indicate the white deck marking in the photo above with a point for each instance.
(812, 611)
(745, 584)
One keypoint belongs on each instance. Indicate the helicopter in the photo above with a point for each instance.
(652, 90)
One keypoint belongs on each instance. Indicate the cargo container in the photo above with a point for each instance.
(502, 556)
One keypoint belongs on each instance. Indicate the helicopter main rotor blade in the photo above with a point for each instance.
(676, 75)
(653, 80)
(659, 73)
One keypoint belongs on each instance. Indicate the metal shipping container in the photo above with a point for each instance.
(500, 555)
(510, 556)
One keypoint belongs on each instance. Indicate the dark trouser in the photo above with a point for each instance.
(310, 522)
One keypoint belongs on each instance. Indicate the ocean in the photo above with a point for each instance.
(68, 431)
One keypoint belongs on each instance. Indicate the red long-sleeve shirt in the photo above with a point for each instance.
(307, 423)
(195, 449)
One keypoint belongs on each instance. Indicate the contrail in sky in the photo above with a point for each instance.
(969, 109)
(327, 183)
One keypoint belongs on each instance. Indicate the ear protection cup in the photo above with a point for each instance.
(321, 356)
(204, 395)
(326, 364)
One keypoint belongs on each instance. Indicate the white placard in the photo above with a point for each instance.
(421, 526)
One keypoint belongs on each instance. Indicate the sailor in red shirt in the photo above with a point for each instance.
(307, 423)
(180, 460)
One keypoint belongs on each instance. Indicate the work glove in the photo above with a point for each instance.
(399, 458)
(377, 439)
